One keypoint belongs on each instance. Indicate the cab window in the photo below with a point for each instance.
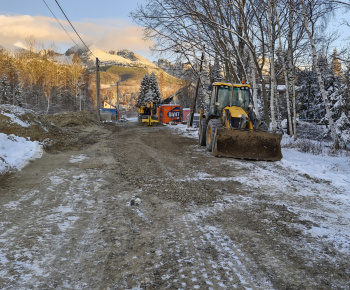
(240, 97)
(224, 96)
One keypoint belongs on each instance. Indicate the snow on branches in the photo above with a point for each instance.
(149, 90)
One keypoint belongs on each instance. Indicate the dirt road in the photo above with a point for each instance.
(130, 207)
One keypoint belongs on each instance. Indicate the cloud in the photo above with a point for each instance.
(108, 37)
(106, 34)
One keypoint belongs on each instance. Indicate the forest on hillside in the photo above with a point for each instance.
(129, 79)
(278, 46)
(38, 80)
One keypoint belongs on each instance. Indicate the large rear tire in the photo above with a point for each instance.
(202, 132)
(211, 133)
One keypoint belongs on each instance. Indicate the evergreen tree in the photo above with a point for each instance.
(5, 90)
(17, 96)
(338, 94)
(335, 94)
(154, 88)
(143, 90)
(310, 99)
(149, 90)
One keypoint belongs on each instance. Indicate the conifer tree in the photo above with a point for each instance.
(149, 90)
(17, 96)
(337, 94)
(5, 90)
(156, 95)
(143, 90)
(311, 104)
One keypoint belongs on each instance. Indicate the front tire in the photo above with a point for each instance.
(210, 134)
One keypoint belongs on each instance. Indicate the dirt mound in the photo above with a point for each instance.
(56, 132)
(73, 119)
(25, 123)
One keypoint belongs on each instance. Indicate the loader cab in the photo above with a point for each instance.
(228, 95)
(220, 98)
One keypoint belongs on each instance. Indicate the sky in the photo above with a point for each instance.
(104, 24)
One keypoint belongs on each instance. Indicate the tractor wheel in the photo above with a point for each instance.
(211, 133)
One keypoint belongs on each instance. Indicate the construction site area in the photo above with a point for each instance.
(122, 206)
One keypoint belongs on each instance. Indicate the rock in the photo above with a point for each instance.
(135, 201)
(138, 201)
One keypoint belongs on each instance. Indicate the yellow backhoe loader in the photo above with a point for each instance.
(230, 128)
(148, 114)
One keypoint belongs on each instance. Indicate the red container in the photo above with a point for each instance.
(185, 113)
(169, 113)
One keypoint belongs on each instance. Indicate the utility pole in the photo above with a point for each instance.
(79, 90)
(118, 112)
(197, 88)
(98, 87)
(117, 85)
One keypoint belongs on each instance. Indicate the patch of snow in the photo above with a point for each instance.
(16, 152)
(333, 169)
(56, 180)
(183, 130)
(109, 58)
(316, 188)
(16, 120)
(133, 119)
(78, 158)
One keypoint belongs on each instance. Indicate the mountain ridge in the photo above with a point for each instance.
(123, 57)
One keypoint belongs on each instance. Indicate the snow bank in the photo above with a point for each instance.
(183, 130)
(334, 169)
(329, 168)
(16, 152)
(15, 119)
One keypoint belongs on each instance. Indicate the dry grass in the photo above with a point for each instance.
(314, 147)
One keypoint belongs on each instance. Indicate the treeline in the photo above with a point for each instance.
(39, 80)
(267, 43)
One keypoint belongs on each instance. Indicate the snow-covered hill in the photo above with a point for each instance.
(121, 58)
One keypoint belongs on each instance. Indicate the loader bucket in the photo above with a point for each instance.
(253, 145)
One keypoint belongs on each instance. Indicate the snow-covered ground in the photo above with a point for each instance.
(16, 152)
(107, 57)
(329, 168)
(68, 217)
(320, 180)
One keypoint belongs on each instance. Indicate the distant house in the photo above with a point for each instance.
(108, 108)
(107, 105)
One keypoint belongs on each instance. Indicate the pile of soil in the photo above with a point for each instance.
(56, 132)
(26, 123)
(73, 119)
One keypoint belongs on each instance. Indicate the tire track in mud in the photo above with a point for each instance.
(268, 232)
(186, 255)
(52, 231)
(203, 222)
(182, 254)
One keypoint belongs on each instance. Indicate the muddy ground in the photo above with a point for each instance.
(129, 207)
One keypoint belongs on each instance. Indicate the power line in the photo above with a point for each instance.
(74, 28)
(60, 23)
